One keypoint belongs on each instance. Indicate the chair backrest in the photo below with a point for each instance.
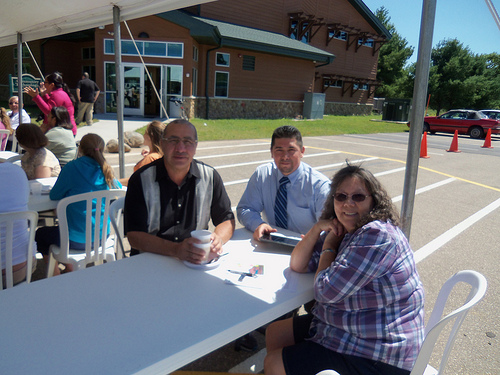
(100, 199)
(115, 216)
(15, 144)
(4, 137)
(436, 324)
(7, 221)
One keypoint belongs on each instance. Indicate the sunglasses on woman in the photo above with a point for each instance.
(341, 197)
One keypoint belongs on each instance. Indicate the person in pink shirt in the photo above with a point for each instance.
(53, 93)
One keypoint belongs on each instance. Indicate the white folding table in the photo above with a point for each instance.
(40, 201)
(147, 314)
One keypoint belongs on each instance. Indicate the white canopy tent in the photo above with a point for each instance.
(29, 20)
(35, 20)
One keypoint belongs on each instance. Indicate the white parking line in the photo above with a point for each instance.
(451, 233)
(426, 188)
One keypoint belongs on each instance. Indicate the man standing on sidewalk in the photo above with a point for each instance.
(87, 93)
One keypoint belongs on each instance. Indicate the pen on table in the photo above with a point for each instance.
(241, 273)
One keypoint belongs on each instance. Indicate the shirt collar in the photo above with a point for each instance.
(161, 171)
(294, 175)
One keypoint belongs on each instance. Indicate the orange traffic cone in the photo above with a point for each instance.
(487, 140)
(423, 147)
(454, 143)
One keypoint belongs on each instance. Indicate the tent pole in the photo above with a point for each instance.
(418, 112)
(119, 88)
(20, 75)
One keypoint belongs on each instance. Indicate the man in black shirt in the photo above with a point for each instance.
(175, 195)
(87, 93)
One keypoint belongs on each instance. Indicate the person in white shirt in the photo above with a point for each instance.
(14, 117)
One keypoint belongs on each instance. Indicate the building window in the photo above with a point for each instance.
(222, 59)
(331, 83)
(297, 29)
(221, 84)
(366, 42)
(363, 87)
(337, 34)
(194, 90)
(249, 63)
(26, 54)
(88, 53)
(151, 49)
(155, 49)
(195, 53)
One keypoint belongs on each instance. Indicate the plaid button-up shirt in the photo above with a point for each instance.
(370, 300)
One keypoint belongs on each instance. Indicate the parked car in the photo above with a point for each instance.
(492, 113)
(465, 121)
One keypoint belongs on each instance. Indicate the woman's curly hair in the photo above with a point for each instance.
(382, 210)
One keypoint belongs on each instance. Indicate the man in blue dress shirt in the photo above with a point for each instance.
(306, 188)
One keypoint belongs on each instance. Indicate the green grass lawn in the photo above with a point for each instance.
(212, 130)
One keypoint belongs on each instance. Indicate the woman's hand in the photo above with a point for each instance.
(334, 238)
(31, 91)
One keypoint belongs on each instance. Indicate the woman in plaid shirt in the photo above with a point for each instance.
(368, 317)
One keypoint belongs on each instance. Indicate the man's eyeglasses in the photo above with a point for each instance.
(174, 141)
(341, 197)
(13, 103)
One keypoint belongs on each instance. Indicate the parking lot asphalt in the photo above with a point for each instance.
(455, 222)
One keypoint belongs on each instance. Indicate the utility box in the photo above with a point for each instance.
(396, 110)
(174, 108)
(314, 105)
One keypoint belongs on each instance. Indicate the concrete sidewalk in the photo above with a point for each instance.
(107, 126)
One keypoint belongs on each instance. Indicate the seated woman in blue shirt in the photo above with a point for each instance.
(89, 172)
(368, 317)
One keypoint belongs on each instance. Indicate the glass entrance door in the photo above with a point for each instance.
(133, 101)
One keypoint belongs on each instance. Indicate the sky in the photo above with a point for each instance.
(469, 21)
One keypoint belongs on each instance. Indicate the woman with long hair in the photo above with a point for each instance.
(37, 161)
(53, 93)
(58, 132)
(4, 124)
(368, 316)
(152, 139)
(89, 172)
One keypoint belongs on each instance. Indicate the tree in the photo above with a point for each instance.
(460, 79)
(393, 56)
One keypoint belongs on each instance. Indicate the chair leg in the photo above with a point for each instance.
(52, 264)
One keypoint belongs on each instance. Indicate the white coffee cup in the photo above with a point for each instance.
(206, 248)
(202, 235)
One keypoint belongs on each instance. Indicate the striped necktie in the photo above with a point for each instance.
(280, 213)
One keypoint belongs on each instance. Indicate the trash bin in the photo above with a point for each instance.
(314, 105)
(396, 110)
(174, 107)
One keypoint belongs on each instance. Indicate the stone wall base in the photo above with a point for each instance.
(264, 109)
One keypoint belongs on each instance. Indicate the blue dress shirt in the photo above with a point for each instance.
(307, 192)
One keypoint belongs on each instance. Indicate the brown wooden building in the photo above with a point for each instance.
(227, 59)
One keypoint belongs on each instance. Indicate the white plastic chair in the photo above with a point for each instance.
(7, 229)
(4, 136)
(436, 324)
(93, 252)
(115, 216)
(15, 145)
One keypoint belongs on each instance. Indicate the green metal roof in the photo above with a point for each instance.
(370, 17)
(223, 34)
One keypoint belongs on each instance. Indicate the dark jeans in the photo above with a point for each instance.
(309, 358)
(46, 236)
